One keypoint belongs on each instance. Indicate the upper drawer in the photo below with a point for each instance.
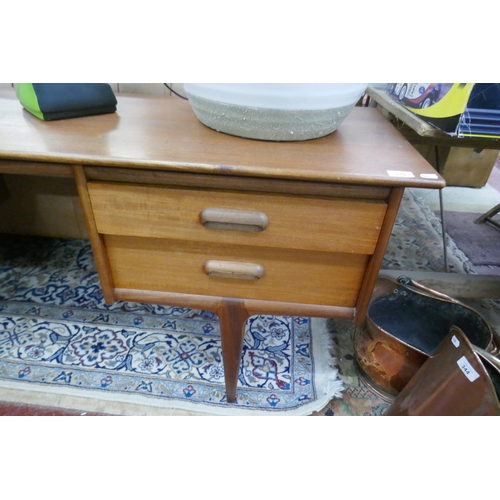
(300, 222)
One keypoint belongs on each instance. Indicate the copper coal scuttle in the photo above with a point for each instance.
(418, 348)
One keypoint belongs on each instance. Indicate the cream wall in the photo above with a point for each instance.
(133, 88)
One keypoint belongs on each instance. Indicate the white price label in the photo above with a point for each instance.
(429, 176)
(455, 341)
(399, 173)
(466, 367)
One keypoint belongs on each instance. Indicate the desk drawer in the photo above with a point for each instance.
(297, 222)
(286, 275)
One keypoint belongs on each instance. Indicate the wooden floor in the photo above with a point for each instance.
(22, 410)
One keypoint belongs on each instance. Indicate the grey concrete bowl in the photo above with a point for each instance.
(280, 123)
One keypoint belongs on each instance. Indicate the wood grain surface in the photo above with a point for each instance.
(294, 221)
(164, 133)
(290, 275)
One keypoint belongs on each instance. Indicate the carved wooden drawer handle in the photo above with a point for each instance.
(236, 220)
(238, 270)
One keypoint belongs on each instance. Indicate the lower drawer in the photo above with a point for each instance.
(321, 278)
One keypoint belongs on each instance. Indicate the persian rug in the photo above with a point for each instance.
(61, 345)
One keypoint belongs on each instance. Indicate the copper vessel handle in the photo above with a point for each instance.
(495, 351)
(408, 282)
(489, 356)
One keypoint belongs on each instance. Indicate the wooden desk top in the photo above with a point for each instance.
(163, 133)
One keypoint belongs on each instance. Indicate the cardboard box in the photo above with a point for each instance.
(463, 167)
(459, 109)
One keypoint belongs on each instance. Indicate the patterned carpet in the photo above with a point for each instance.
(59, 340)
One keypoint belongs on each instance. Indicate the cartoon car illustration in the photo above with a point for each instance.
(416, 95)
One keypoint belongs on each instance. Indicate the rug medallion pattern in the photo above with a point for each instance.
(55, 329)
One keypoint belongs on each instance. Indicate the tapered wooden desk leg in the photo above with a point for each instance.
(232, 315)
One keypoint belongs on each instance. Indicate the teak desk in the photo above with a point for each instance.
(179, 214)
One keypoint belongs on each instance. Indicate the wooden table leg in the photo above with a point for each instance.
(232, 315)
(486, 217)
